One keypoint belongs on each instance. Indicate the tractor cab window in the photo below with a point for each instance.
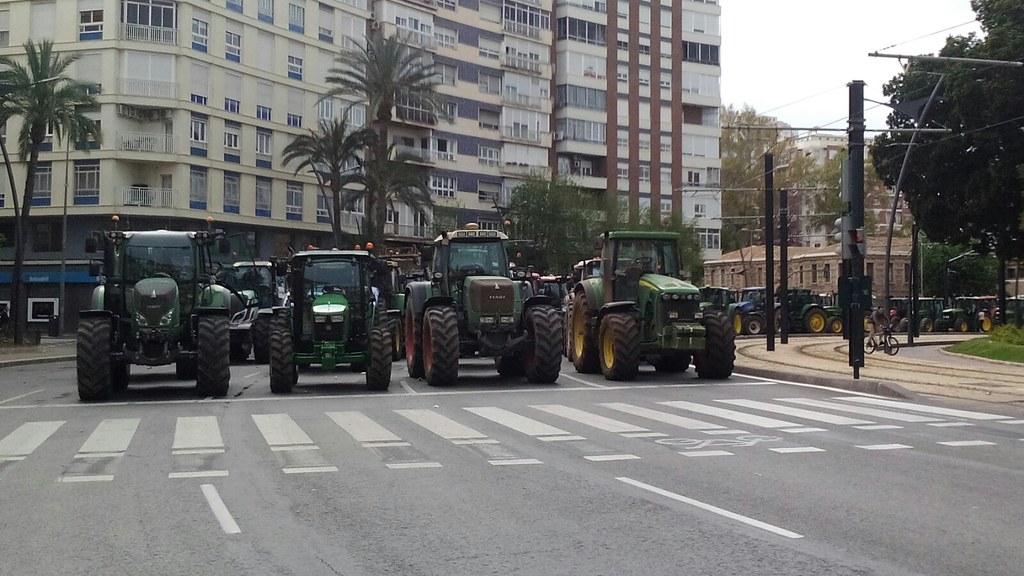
(332, 276)
(175, 262)
(258, 279)
(477, 259)
(754, 296)
(652, 256)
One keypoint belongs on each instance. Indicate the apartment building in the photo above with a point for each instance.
(637, 106)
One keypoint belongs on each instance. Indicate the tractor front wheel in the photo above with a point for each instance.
(835, 325)
(719, 354)
(441, 346)
(620, 346)
(282, 362)
(926, 325)
(961, 325)
(413, 343)
(584, 346)
(93, 359)
(213, 365)
(672, 362)
(753, 324)
(260, 334)
(543, 358)
(378, 370)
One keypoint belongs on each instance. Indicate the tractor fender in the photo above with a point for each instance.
(268, 312)
(539, 300)
(416, 294)
(95, 313)
(588, 289)
(278, 311)
(214, 296)
(96, 301)
(438, 301)
(618, 308)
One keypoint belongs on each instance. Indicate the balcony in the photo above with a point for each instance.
(421, 155)
(148, 197)
(149, 88)
(407, 231)
(414, 38)
(415, 115)
(522, 29)
(525, 170)
(519, 133)
(523, 63)
(145, 142)
(152, 34)
(522, 100)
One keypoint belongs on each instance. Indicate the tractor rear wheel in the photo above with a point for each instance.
(441, 346)
(815, 321)
(753, 324)
(620, 346)
(93, 359)
(719, 354)
(672, 362)
(985, 324)
(378, 370)
(282, 355)
(413, 343)
(260, 334)
(213, 361)
(926, 325)
(584, 345)
(961, 325)
(542, 359)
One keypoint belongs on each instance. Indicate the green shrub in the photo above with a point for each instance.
(1008, 335)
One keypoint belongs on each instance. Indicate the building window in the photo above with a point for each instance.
(581, 30)
(263, 112)
(326, 23)
(264, 192)
(828, 272)
(297, 18)
(90, 25)
(293, 201)
(5, 27)
(489, 120)
(197, 188)
(490, 84)
(87, 182)
(393, 216)
(711, 239)
(443, 186)
(264, 148)
(580, 97)
(235, 5)
(906, 274)
(43, 185)
(488, 192)
(446, 37)
(233, 46)
(295, 68)
(198, 132)
(871, 270)
(814, 273)
(489, 225)
(325, 109)
(294, 120)
(700, 53)
(232, 105)
(446, 74)
(200, 34)
(265, 11)
(232, 192)
(700, 210)
(232, 137)
(451, 109)
(489, 155)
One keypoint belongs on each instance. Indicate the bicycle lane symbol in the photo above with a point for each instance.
(702, 443)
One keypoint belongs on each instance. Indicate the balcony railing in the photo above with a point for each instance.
(417, 115)
(522, 169)
(407, 230)
(154, 34)
(517, 99)
(425, 41)
(419, 154)
(149, 197)
(522, 29)
(518, 133)
(524, 63)
(149, 88)
(145, 142)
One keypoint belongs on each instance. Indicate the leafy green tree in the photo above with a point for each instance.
(331, 154)
(970, 276)
(561, 219)
(388, 178)
(42, 95)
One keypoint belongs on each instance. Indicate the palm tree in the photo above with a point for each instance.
(43, 95)
(388, 179)
(330, 154)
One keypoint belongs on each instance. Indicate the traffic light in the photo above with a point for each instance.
(856, 241)
(837, 230)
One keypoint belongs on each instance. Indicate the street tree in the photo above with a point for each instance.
(969, 276)
(561, 219)
(44, 97)
(388, 179)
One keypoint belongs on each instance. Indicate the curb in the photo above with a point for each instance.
(980, 359)
(29, 361)
(877, 387)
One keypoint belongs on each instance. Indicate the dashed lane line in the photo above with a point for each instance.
(20, 396)
(220, 511)
(966, 443)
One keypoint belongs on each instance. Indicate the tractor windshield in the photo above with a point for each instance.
(477, 259)
(175, 262)
(324, 276)
(653, 256)
(258, 279)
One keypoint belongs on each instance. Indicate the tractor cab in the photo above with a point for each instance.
(715, 298)
(253, 279)
(632, 255)
(586, 269)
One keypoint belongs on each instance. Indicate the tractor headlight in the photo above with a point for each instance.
(140, 319)
(320, 319)
(676, 297)
(166, 319)
(487, 319)
(666, 297)
(698, 316)
(673, 315)
(337, 317)
(508, 320)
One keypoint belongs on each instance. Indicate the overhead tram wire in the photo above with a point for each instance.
(922, 37)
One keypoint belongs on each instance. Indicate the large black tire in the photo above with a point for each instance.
(213, 356)
(815, 321)
(542, 360)
(753, 324)
(926, 325)
(283, 374)
(510, 365)
(260, 334)
(120, 373)
(719, 354)
(185, 369)
(835, 325)
(93, 359)
(585, 355)
(397, 332)
(413, 343)
(378, 371)
(441, 346)
(620, 346)
(673, 362)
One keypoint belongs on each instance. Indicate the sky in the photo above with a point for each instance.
(792, 59)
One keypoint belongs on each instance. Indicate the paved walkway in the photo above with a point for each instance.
(56, 348)
(920, 370)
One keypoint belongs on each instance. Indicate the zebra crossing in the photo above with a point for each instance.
(401, 438)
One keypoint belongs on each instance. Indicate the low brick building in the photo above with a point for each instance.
(816, 269)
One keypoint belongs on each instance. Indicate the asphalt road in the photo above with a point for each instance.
(667, 475)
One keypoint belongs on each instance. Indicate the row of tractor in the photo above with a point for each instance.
(747, 310)
(163, 300)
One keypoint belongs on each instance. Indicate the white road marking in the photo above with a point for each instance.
(27, 437)
(11, 458)
(560, 438)
(200, 474)
(798, 384)
(220, 511)
(192, 432)
(81, 456)
(309, 469)
(950, 424)
(704, 453)
(876, 412)
(469, 441)
(725, 432)
(385, 444)
(611, 457)
(803, 430)
(111, 435)
(405, 386)
(797, 450)
(592, 420)
(442, 426)
(581, 381)
(295, 448)
(20, 396)
(514, 462)
(961, 443)
(95, 478)
(727, 414)
(797, 412)
(645, 435)
(713, 509)
(522, 424)
(664, 417)
(280, 430)
(952, 412)
(192, 451)
(879, 427)
(1012, 422)
(253, 375)
(412, 465)
(885, 447)
(361, 428)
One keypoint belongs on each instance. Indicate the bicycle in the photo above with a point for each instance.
(889, 344)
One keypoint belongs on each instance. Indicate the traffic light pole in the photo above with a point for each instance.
(784, 266)
(912, 313)
(855, 235)
(769, 249)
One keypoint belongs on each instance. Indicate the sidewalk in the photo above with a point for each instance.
(53, 349)
(920, 370)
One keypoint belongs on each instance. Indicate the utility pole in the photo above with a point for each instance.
(64, 233)
(859, 297)
(769, 249)
(913, 286)
(784, 266)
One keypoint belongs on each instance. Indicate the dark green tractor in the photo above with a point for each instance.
(470, 307)
(158, 304)
(255, 293)
(929, 311)
(721, 300)
(968, 314)
(806, 315)
(640, 309)
(338, 316)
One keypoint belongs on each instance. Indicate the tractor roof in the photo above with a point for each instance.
(161, 237)
(249, 264)
(641, 235)
(473, 235)
(317, 254)
(717, 288)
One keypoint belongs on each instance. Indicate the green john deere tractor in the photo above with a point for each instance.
(158, 304)
(639, 309)
(470, 307)
(806, 315)
(338, 316)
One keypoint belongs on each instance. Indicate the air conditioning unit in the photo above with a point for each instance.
(559, 136)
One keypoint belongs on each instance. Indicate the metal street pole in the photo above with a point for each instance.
(64, 232)
(769, 250)
(912, 281)
(856, 191)
(784, 266)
